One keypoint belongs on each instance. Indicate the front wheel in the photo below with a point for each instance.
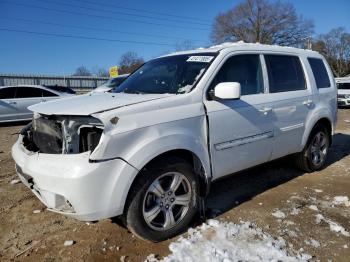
(163, 200)
(314, 155)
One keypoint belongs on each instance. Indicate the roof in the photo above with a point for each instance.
(242, 46)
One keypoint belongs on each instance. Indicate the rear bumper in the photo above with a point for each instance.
(73, 186)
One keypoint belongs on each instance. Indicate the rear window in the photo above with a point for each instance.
(320, 72)
(285, 73)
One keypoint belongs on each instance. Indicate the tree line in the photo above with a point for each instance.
(265, 22)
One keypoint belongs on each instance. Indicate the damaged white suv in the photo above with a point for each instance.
(149, 150)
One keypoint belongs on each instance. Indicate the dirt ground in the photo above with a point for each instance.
(250, 196)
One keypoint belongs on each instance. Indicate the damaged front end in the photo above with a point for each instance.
(62, 134)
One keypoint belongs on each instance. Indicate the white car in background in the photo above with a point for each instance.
(343, 84)
(110, 84)
(14, 100)
(149, 150)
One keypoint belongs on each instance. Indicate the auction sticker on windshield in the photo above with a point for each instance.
(203, 59)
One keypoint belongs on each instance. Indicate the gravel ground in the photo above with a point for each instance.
(300, 208)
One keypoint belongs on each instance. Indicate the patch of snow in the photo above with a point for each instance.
(68, 243)
(288, 222)
(333, 226)
(313, 242)
(15, 181)
(341, 200)
(36, 211)
(223, 241)
(295, 211)
(279, 214)
(319, 218)
(318, 190)
(345, 246)
(313, 207)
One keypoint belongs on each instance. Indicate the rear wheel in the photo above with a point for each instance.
(314, 155)
(163, 200)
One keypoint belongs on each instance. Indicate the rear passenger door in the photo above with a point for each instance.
(291, 99)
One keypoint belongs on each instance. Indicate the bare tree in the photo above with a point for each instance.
(184, 45)
(82, 71)
(129, 62)
(263, 22)
(335, 46)
(100, 72)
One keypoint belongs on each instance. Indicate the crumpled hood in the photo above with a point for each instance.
(92, 103)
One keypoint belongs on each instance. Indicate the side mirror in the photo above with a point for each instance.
(227, 90)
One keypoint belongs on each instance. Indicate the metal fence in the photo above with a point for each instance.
(74, 82)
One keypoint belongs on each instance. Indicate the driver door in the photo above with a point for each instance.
(241, 130)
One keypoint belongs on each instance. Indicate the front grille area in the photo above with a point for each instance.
(62, 134)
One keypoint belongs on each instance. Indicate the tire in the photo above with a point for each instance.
(163, 200)
(314, 155)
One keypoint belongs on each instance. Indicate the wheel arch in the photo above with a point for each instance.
(321, 120)
(185, 154)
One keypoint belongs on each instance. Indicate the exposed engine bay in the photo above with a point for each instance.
(62, 134)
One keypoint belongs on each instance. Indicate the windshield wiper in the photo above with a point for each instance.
(133, 92)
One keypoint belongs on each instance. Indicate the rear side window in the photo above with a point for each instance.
(285, 73)
(46, 93)
(7, 93)
(244, 69)
(320, 72)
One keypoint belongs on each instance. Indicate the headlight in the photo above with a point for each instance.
(347, 96)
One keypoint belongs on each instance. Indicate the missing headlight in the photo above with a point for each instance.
(89, 138)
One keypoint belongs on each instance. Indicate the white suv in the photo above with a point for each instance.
(149, 151)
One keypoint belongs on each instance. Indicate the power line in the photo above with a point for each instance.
(83, 37)
(118, 12)
(100, 16)
(96, 28)
(144, 11)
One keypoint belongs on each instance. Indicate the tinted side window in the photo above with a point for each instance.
(46, 93)
(26, 92)
(285, 73)
(7, 93)
(244, 69)
(320, 72)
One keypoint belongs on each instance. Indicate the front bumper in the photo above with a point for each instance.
(73, 186)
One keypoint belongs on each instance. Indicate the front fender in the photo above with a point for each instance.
(140, 146)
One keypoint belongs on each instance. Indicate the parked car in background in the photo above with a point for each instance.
(110, 84)
(61, 89)
(343, 84)
(14, 100)
(149, 150)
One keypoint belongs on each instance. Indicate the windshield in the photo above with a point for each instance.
(173, 74)
(343, 85)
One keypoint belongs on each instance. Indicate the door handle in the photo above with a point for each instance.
(12, 103)
(308, 102)
(265, 110)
